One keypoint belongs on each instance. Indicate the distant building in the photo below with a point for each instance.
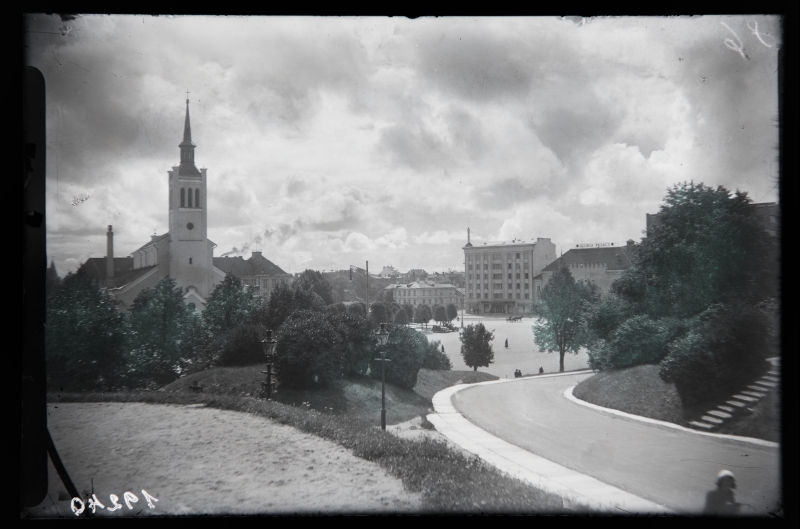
(426, 293)
(500, 274)
(598, 266)
(416, 274)
(389, 271)
(257, 272)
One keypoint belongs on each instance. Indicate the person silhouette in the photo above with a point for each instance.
(541, 370)
(506, 343)
(721, 501)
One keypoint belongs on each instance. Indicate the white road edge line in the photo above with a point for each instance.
(574, 488)
(568, 394)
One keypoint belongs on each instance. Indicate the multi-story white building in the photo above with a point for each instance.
(427, 293)
(499, 275)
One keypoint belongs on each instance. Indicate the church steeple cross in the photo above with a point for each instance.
(187, 96)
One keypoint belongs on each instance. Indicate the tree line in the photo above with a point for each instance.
(91, 346)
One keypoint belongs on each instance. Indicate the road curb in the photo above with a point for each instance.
(576, 490)
(744, 440)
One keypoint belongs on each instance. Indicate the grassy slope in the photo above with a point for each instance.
(447, 480)
(430, 382)
(640, 391)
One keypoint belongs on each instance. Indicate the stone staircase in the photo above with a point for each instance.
(741, 403)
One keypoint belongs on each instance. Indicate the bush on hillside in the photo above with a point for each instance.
(308, 352)
(243, 348)
(406, 350)
(725, 348)
(637, 340)
(435, 358)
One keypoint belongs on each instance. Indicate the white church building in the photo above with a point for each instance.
(184, 253)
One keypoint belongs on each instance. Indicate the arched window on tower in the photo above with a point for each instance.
(197, 197)
(183, 197)
(190, 197)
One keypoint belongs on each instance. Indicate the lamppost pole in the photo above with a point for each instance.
(383, 337)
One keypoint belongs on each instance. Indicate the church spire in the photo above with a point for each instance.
(187, 166)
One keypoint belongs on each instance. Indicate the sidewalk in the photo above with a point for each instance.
(577, 490)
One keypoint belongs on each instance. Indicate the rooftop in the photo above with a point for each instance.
(607, 255)
(257, 264)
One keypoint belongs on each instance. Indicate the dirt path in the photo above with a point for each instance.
(208, 461)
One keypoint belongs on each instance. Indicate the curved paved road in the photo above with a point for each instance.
(666, 466)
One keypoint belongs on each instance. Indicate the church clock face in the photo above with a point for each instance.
(190, 226)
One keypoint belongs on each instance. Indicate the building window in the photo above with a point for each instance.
(498, 295)
(509, 266)
(509, 276)
(497, 276)
(486, 276)
(517, 265)
(486, 267)
(527, 296)
(470, 296)
(526, 286)
(189, 200)
(510, 295)
(183, 197)
(190, 260)
(197, 197)
(509, 286)
(496, 256)
(485, 295)
(470, 267)
(517, 286)
(517, 275)
(538, 288)
(517, 256)
(469, 258)
(497, 266)
(518, 295)
(192, 306)
(526, 275)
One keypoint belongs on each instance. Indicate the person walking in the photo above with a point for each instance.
(721, 501)
(541, 370)
(506, 343)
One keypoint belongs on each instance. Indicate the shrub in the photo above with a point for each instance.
(724, 349)
(243, 348)
(357, 309)
(435, 358)
(637, 340)
(307, 354)
(406, 350)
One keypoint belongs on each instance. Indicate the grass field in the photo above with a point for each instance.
(348, 413)
(640, 391)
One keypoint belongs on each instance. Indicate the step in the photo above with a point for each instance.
(745, 398)
(703, 425)
(766, 384)
(762, 389)
(736, 403)
(755, 394)
(711, 419)
(726, 408)
(771, 378)
(720, 414)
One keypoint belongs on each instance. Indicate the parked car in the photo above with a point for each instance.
(447, 327)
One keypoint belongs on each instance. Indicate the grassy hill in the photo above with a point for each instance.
(640, 391)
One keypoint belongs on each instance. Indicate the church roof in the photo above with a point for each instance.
(130, 277)
(614, 257)
(256, 265)
(154, 240)
(124, 272)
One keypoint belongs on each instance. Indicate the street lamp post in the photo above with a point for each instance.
(383, 337)
(269, 345)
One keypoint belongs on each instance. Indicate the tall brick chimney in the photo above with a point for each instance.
(109, 253)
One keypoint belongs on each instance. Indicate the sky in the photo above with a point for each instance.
(330, 142)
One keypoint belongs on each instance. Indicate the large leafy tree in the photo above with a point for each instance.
(229, 305)
(379, 314)
(401, 318)
(158, 325)
(563, 307)
(84, 337)
(406, 349)
(423, 314)
(452, 312)
(286, 300)
(314, 281)
(440, 314)
(476, 346)
(706, 247)
(309, 351)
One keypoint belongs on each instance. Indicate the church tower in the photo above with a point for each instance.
(190, 251)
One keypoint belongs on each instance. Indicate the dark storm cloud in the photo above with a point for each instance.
(475, 64)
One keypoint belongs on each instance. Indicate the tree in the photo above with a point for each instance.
(476, 347)
(440, 314)
(378, 314)
(707, 247)
(406, 349)
(562, 307)
(401, 318)
(357, 309)
(435, 358)
(357, 343)
(229, 305)
(422, 314)
(409, 310)
(314, 281)
(84, 337)
(452, 312)
(158, 324)
(286, 300)
(307, 354)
